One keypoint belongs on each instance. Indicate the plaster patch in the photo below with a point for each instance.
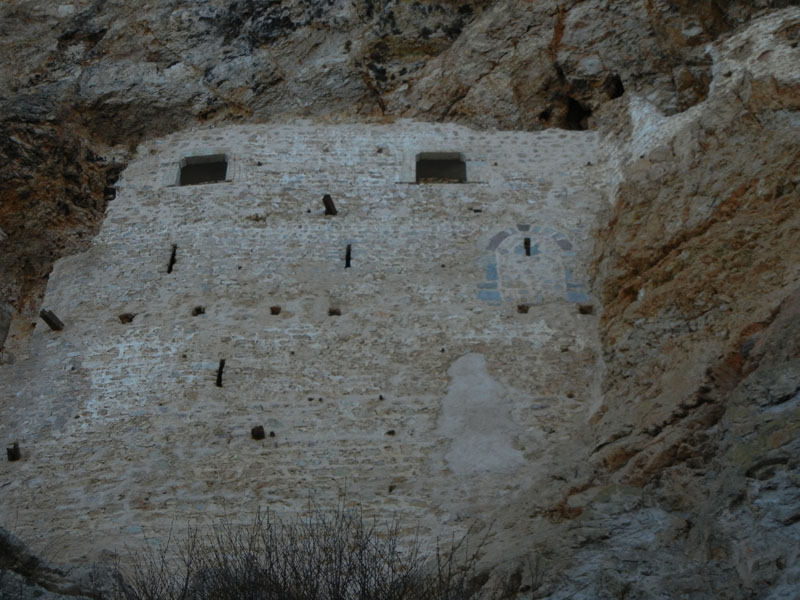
(476, 417)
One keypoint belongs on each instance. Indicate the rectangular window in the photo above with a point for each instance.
(212, 168)
(441, 167)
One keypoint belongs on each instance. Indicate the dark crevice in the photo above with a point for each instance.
(577, 115)
(613, 86)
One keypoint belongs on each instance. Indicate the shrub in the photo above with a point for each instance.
(321, 556)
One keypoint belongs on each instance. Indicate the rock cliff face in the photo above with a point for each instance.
(698, 269)
(687, 481)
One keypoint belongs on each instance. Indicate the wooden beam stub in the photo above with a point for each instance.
(219, 372)
(330, 207)
(172, 258)
(53, 322)
(13, 452)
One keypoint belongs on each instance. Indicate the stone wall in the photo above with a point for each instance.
(432, 394)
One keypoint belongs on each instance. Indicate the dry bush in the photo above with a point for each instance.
(321, 556)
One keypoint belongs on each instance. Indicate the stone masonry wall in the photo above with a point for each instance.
(431, 396)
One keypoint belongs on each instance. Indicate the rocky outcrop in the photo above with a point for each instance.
(24, 576)
(53, 191)
(700, 431)
(703, 245)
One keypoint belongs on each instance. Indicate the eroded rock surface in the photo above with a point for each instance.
(25, 576)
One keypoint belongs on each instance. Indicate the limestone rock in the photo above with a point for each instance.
(700, 292)
(24, 576)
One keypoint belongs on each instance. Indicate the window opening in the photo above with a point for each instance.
(212, 168)
(441, 167)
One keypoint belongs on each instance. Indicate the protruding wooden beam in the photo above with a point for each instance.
(53, 322)
(219, 372)
(330, 207)
(13, 452)
(172, 259)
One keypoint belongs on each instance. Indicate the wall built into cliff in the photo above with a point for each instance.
(429, 378)
(454, 370)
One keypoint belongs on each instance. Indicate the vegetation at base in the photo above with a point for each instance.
(320, 556)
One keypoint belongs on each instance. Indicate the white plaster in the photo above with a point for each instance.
(476, 417)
